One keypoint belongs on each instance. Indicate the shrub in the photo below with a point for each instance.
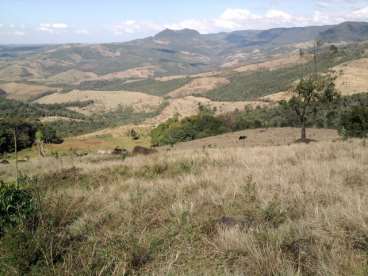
(16, 205)
(354, 122)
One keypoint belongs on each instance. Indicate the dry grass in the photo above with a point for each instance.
(352, 77)
(258, 138)
(287, 210)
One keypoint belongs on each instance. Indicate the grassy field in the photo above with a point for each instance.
(277, 210)
(259, 138)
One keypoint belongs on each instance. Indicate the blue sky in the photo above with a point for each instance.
(45, 21)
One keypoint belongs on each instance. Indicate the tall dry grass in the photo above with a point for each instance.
(288, 210)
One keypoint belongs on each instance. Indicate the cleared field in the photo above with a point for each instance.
(21, 91)
(259, 138)
(287, 210)
(277, 97)
(352, 77)
(198, 86)
(139, 72)
(71, 77)
(276, 63)
(105, 100)
(50, 119)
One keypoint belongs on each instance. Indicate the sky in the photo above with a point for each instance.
(95, 21)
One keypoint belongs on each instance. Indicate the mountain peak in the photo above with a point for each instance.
(172, 34)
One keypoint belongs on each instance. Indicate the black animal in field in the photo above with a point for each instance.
(138, 150)
(242, 138)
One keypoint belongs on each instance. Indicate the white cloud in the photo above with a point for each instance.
(59, 26)
(18, 33)
(234, 18)
(361, 13)
(279, 15)
(199, 25)
(81, 32)
(133, 26)
(237, 15)
(52, 27)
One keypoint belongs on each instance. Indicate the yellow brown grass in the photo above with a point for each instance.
(287, 210)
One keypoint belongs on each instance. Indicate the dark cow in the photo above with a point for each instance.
(241, 138)
(121, 152)
(4, 162)
(142, 150)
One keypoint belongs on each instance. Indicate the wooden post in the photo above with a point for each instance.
(16, 156)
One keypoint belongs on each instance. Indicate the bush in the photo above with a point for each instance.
(354, 122)
(195, 127)
(16, 206)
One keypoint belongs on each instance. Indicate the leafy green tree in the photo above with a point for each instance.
(308, 94)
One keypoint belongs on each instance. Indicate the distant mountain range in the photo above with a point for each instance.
(169, 52)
